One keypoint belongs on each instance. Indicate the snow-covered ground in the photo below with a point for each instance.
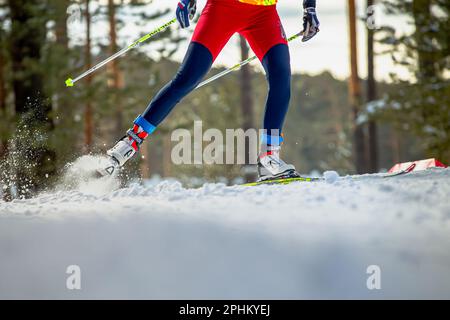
(305, 240)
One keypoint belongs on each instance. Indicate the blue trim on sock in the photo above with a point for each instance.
(144, 124)
(271, 140)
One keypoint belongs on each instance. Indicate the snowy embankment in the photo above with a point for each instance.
(305, 240)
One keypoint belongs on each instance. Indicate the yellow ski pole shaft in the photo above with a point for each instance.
(71, 82)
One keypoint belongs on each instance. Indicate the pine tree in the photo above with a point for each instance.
(355, 92)
(88, 111)
(33, 160)
(58, 57)
(115, 75)
(372, 143)
(421, 105)
(3, 110)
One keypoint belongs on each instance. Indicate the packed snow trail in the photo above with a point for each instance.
(304, 240)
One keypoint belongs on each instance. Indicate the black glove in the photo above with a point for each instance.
(311, 23)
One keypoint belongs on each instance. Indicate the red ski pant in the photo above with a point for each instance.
(221, 19)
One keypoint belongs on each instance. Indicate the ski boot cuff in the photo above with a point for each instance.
(140, 131)
(145, 125)
(135, 137)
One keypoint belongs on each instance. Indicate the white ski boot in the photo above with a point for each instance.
(125, 148)
(117, 157)
(271, 167)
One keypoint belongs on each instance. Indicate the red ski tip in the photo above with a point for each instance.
(419, 165)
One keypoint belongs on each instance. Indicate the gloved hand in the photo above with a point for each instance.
(186, 11)
(311, 24)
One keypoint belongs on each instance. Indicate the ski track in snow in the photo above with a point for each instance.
(304, 240)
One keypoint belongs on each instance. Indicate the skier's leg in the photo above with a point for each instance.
(195, 66)
(266, 36)
(214, 29)
(268, 41)
(278, 73)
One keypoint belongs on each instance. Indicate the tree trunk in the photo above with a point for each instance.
(62, 100)
(372, 149)
(246, 104)
(355, 91)
(61, 22)
(424, 35)
(116, 78)
(88, 113)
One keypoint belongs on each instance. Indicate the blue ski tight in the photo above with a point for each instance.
(198, 62)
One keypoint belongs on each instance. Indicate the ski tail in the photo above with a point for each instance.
(402, 172)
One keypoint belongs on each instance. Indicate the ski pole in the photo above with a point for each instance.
(238, 66)
(70, 82)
